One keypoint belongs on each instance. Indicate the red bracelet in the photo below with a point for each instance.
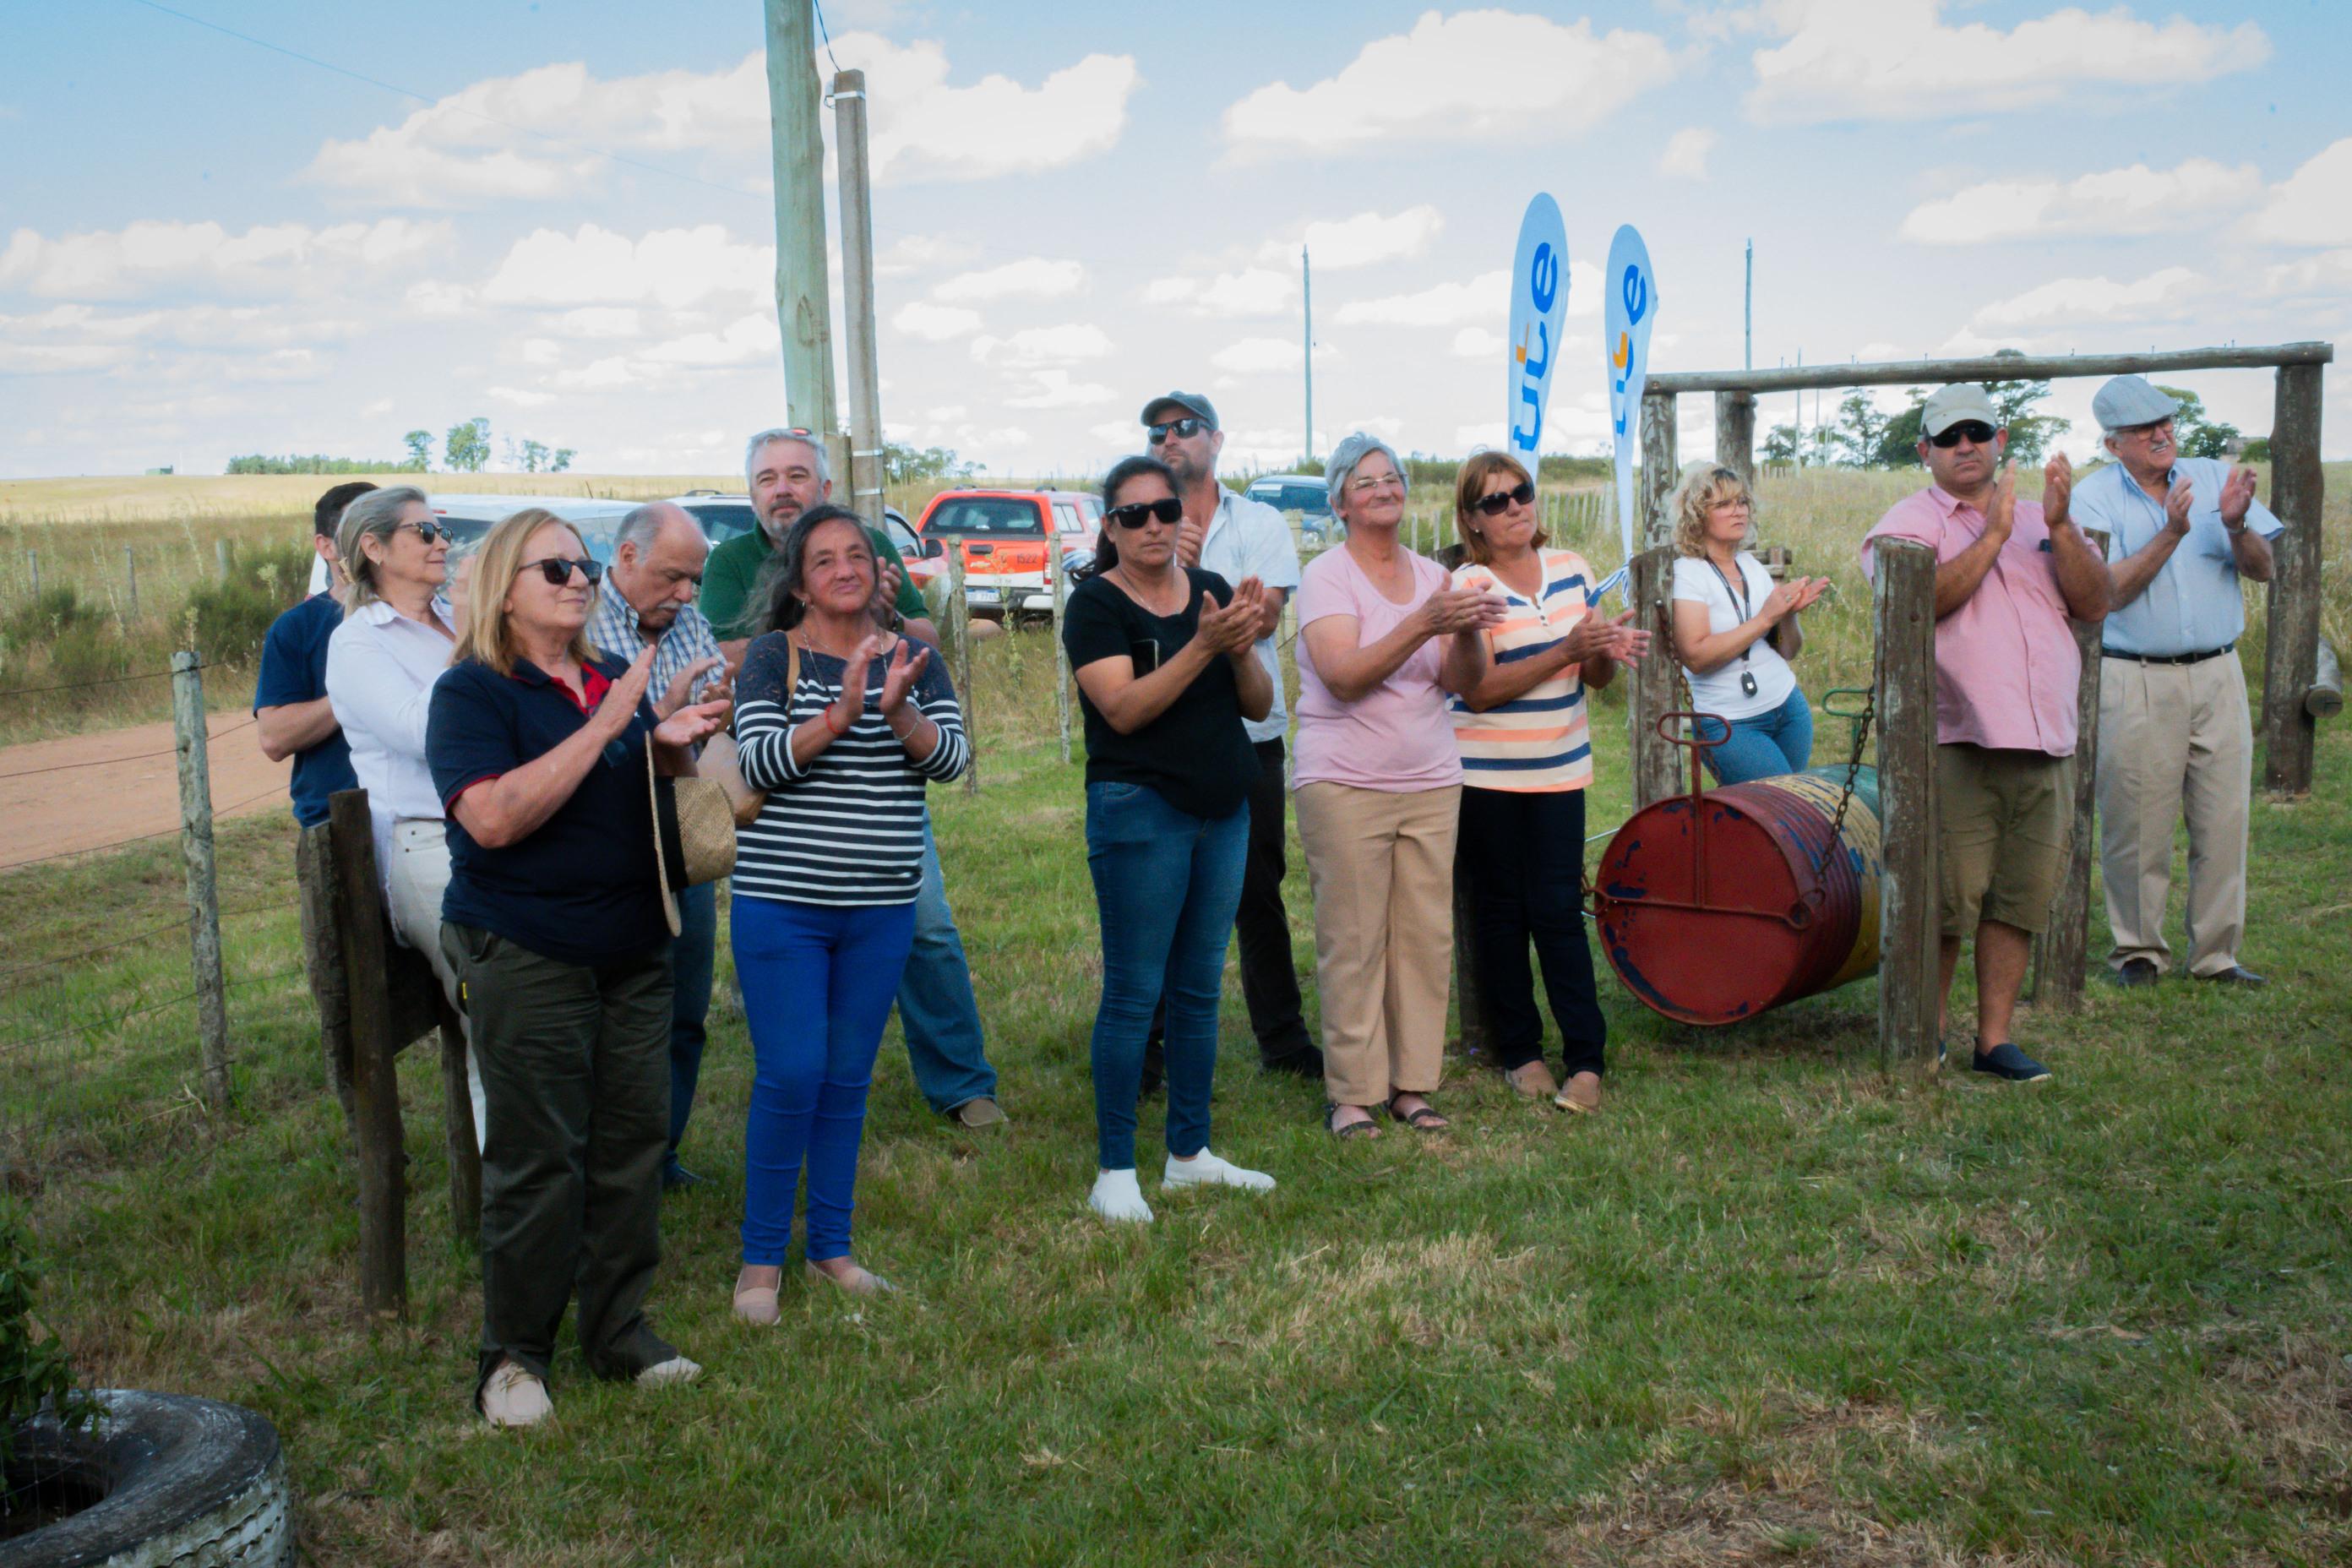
(836, 729)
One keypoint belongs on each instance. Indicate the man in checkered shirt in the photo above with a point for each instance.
(647, 596)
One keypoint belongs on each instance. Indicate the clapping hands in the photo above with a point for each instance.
(1453, 610)
(1230, 628)
(1611, 638)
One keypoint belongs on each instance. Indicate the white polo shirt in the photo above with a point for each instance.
(1248, 539)
(380, 667)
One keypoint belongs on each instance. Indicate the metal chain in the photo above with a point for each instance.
(1861, 740)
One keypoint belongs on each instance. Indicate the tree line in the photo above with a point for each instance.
(466, 450)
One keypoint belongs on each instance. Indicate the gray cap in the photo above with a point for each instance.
(1347, 454)
(2127, 401)
(1190, 402)
(1949, 405)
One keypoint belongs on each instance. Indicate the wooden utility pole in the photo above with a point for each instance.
(857, 287)
(1903, 615)
(1307, 295)
(803, 305)
(2291, 664)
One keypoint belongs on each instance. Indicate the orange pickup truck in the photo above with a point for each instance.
(1001, 538)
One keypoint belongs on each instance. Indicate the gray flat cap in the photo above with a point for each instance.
(2127, 401)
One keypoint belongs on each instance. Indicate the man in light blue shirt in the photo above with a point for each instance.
(2174, 729)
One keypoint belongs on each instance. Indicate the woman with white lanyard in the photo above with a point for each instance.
(1736, 631)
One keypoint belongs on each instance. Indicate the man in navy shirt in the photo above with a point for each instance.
(289, 700)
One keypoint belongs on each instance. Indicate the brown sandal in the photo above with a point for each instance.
(1424, 1120)
(1367, 1128)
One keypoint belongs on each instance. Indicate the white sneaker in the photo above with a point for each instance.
(1118, 1197)
(514, 1396)
(1205, 1169)
(677, 1369)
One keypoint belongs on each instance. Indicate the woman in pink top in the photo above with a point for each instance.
(1382, 640)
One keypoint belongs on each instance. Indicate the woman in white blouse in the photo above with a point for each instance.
(381, 663)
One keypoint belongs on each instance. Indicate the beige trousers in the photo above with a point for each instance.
(2174, 740)
(413, 883)
(1382, 867)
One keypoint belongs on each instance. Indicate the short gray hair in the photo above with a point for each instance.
(372, 516)
(641, 525)
(1347, 454)
(809, 438)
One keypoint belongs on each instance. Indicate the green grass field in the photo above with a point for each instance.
(1767, 1307)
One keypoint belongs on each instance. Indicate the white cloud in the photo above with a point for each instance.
(2160, 295)
(935, 323)
(2133, 201)
(924, 129)
(1258, 356)
(747, 340)
(1055, 389)
(1487, 75)
(1898, 60)
(1685, 157)
(272, 259)
(919, 253)
(1485, 297)
(673, 267)
(947, 413)
(1477, 343)
(1363, 240)
(1253, 291)
(541, 351)
(601, 321)
(1117, 433)
(1033, 277)
(2327, 276)
(2311, 207)
(522, 397)
(1034, 347)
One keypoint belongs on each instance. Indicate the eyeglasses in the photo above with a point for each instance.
(1186, 428)
(1519, 494)
(1135, 514)
(1371, 482)
(1976, 430)
(557, 570)
(429, 531)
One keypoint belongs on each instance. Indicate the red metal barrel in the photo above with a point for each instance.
(1716, 907)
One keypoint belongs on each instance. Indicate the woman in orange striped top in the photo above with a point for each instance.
(1527, 757)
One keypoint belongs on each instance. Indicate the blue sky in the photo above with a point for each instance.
(207, 247)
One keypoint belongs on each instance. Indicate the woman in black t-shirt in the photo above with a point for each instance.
(1167, 671)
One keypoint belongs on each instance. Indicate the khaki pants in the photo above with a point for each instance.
(2175, 740)
(413, 885)
(1381, 866)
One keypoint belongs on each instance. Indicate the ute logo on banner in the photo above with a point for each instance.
(1538, 303)
(1631, 300)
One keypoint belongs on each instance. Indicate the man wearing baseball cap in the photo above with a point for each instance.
(2174, 730)
(2008, 573)
(1239, 539)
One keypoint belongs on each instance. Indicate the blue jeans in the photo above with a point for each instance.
(817, 981)
(1166, 886)
(690, 960)
(1780, 741)
(936, 1011)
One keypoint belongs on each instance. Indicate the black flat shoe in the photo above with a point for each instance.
(2137, 971)
(2005, 1061)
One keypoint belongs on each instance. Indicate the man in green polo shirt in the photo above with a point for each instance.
(786, 470)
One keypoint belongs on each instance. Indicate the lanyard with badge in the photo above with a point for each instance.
(1747, 676)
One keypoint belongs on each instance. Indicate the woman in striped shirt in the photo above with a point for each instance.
(842, 724)
(1527, 757)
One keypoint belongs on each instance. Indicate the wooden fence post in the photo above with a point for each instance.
(1659, 469)
(1734, 432)
(1061, 649)
(465, 1143)
(375, 1087)
(2326, 698)
(323, 957)
(2291, 658)
(33, 565)
(221, 557)
(1903, 615)
(1656, 770)
(2060, 954)
(130, 578)
(189, 740)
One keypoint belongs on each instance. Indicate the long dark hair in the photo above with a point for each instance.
(1121, 473)
(781, 609)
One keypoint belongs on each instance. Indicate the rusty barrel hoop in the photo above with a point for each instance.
(1717, 906)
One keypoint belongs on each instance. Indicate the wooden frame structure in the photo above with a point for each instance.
(2294, 687)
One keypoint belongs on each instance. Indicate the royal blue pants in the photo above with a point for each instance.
(817, 983)
(1780, 741)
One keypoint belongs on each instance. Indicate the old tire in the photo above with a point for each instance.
(191, 1483)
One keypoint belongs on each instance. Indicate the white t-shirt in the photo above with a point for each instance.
(1249, 539)
(1699, 580)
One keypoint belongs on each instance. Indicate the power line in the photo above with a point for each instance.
(827, 37)
(378, 82)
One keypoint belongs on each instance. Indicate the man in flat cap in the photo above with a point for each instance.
(2175, 736)
(2009, 575)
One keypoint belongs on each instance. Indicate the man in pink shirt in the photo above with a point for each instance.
(2008, 572)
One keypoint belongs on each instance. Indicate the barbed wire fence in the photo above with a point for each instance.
(120, 1033)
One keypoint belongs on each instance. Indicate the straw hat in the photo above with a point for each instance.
(694, 834)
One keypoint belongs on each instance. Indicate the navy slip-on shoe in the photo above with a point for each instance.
(2005, 1061)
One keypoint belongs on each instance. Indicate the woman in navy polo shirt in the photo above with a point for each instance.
(842, 724)
(553, 921)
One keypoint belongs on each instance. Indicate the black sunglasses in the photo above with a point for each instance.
(1521, 494)
(429, 531)
(557, 570)
(1976, 430)
(1187, 427)
(1135, 514)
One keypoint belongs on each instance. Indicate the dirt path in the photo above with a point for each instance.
(88, 791)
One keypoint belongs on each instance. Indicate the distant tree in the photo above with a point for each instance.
(1898, 444)
(534, 457)
(2258, 450)
(467, 448)
(2193, 431)
(420, 449)
(1820, 446)
(903, 465)
(1861, 431)
(1780, 444)
(2030, 434)
(312, 463)
(561, 462)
